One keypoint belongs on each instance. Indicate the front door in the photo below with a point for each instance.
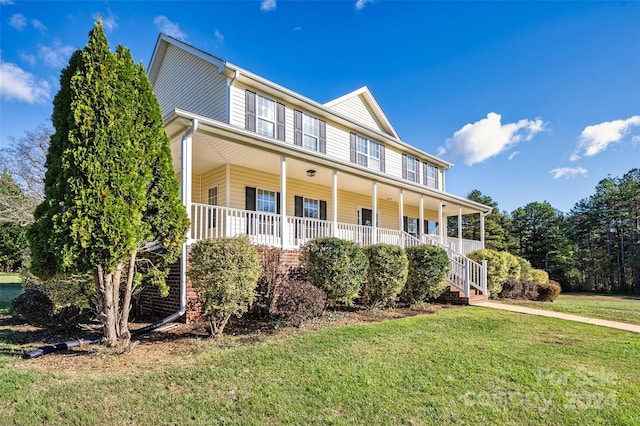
(367, 217)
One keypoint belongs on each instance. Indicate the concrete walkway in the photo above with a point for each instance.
(521, 309)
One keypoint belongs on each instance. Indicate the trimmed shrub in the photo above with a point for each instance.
(336, 266)
(497, 268)
(34, 306)
(514, 268)
(426, 279)
(519, 289)
(386, 275)
(548, 292)
(539, 276)
(525, 268)
(225, 272)
(297, 301)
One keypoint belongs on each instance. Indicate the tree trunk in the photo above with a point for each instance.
(125, 335)
(105, 305)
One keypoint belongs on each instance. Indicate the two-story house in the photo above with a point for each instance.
(256, 158)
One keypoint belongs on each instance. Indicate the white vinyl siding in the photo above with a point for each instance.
(192, 84)
(356, 109)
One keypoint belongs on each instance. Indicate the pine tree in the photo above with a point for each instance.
(110, 190)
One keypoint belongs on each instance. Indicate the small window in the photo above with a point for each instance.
(212, 200)
(266, 201)
(311, 208)
(412, 226)
(266, 116)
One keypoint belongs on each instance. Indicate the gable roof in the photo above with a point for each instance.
(383, 131)
(364, 97)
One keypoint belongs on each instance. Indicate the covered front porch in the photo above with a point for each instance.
(235, 182)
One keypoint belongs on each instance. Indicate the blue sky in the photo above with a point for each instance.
(531, 101)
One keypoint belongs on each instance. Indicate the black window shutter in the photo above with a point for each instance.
(297, 127)
(278, 203)
(425, 230)
(353, 148)
(405, 223)
(280, 122)
(250, 198)
(322, 136)
(404, 166)
(382, 166)
(250, 111)
(323, 210)
(298, 203)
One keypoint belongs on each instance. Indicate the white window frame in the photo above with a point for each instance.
(365, 153)
(261, 191)
(412, 226)
(412, 174)
(212, 200)
(432, 176)
(315, 202)
(310, 134)
(263, 119)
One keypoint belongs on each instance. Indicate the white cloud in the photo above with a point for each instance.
(488, 137)
(6, 1)
(18, 21)
(30, 59)
(597, 138)
(296, 29)
(55, 56)
(360, 4)
(109, 22)
(219, 38)
(38, 25)
(15, 83)
(568, 172)
(513, 154)
(267, 5)
(164, 25)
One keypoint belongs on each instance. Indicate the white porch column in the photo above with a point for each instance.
(401, 210)
(374, 216)
(284, 234)
(441, 224)
(460, 230)
(482, 228)
(421, 218)
(334, 203)
(227, 188)
(186, 169)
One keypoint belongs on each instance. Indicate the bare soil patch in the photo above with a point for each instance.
(171, 343)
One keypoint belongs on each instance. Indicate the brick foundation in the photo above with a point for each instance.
(155, 306)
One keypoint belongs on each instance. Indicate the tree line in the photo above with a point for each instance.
(593, 247)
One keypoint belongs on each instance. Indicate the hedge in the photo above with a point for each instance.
(426, 279)
(386, 275)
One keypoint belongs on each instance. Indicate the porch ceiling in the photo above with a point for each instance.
(211, 151)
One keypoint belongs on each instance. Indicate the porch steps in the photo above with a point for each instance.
(453, 296)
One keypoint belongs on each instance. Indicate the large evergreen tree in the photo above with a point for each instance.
(494, 223)
(111, 198)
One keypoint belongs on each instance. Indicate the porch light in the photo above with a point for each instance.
(311, 173)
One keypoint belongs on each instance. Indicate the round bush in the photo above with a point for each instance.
(514, 268)
(426, 279)
(336, 266)
(34, 306)
(387, 273)
(539, 276)
(525, 268)
(225, 273)
(547, 292)
(497, 268)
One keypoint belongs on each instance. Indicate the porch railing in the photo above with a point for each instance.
(265, 228)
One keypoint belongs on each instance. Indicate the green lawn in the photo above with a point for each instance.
(6, 278)
(614, 308)
(458, 366)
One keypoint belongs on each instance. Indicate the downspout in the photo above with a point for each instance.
(186, 165)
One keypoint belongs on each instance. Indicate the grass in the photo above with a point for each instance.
(608, 307)
(9, 278)
(457, 366)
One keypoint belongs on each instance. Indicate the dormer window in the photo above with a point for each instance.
(367, 153)
(264, 116)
